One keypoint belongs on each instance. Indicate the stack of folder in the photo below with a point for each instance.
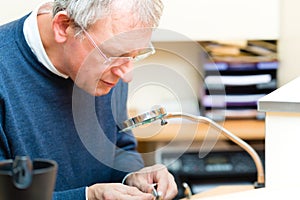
(236, 76)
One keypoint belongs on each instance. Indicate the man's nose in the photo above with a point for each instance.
(124, 71)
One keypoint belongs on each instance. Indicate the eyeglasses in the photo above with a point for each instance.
(139, 54)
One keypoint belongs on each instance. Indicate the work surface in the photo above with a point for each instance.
(245, 192)
(222, 190)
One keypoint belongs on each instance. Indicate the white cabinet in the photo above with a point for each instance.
(221, 19)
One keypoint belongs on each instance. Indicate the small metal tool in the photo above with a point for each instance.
(156, 193)
(187, 190)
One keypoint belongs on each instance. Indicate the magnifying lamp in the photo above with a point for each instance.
(160, 114)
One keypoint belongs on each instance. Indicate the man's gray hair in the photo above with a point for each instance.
(84, 13)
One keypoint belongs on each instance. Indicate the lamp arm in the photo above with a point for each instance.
(260, 170)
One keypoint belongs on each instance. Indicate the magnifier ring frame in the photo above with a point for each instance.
(144, 118)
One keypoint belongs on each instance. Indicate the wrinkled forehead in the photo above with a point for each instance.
(128, 41)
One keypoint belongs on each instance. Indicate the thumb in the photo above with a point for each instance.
(146, 187)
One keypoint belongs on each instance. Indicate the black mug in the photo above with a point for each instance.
(22, 179)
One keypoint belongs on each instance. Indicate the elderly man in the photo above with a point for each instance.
(63, 93)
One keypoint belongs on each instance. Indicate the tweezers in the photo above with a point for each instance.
(155, 193)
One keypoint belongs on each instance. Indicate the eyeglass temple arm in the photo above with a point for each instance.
(94, 43)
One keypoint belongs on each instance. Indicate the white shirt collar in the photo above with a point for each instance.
(33, 39)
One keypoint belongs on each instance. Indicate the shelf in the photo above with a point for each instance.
(245, 129)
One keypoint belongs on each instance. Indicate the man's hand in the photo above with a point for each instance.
(116, 191)
(144, 178)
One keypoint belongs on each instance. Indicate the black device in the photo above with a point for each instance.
(215, 169)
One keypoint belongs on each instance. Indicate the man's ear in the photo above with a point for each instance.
(60, 24)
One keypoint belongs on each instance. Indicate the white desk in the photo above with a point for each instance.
(282, 135)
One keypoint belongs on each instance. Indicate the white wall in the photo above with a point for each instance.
(289, 41)
(171, 78)
(13, 9)
(222, 19)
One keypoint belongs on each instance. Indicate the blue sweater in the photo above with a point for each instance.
(46, 116)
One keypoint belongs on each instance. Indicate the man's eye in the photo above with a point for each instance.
(123, 55)
(129, 54)
(119, 54)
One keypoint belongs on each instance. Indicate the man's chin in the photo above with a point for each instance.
(98, 90)
(101, 91)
